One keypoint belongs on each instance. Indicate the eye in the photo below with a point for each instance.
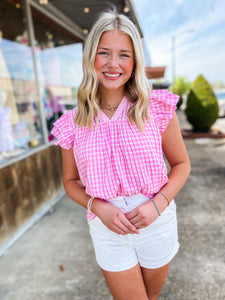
(125, 55)
(103, 53)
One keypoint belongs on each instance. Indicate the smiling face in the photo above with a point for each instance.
(114, 60)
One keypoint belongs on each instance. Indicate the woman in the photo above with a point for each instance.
(112, 155)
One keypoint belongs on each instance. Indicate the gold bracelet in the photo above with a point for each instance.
(165, 197)
(156, 206)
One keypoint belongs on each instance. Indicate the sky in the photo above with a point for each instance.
(198, 27)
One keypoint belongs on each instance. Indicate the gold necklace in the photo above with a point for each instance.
(108, 108)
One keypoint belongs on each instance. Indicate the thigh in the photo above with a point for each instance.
(154, 280)
(126, 284)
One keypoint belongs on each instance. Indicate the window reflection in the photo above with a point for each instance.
(58, 59)
(19, 116)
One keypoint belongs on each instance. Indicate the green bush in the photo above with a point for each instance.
(180, 87)
(174, 90)
(202, 107)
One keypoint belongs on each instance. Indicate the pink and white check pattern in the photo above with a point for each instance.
(115, 158)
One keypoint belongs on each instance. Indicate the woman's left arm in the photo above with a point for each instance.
(176, 154)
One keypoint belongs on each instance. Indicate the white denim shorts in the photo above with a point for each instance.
(153, 248)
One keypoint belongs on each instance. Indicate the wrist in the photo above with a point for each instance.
(89, 204)
(96, 206)
(165, 197)
(156, 206)
(161, 202)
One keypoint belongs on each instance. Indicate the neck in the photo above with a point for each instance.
(111, 98)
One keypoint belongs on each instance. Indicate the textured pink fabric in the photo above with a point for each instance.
(115, 158)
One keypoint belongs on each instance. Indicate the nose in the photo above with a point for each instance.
(113, 62)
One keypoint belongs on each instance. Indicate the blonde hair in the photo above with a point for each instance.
(138, 87)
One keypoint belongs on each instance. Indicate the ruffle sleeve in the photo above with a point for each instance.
(64, 130)
(163, 105)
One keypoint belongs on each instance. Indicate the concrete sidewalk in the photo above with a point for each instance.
(31, 269)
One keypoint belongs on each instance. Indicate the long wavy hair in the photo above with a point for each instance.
(137, 87)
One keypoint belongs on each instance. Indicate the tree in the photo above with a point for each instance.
(202, 107)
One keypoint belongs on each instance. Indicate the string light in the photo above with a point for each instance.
(86, 10)
(43, 2)
(126, 9)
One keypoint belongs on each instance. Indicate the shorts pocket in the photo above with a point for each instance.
(167, 218)
(170, 209)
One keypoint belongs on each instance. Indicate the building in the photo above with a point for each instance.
(40, 41)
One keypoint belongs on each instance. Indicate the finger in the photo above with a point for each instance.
(120, 229)
(140, 225)
(131, 214)
(135, 220)
(130, 227)
(125, 229)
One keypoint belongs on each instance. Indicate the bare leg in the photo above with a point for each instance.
(127, 284)
(154, 280)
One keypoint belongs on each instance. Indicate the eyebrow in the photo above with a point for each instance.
(125, 50)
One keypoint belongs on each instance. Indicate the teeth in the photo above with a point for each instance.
(112, 75)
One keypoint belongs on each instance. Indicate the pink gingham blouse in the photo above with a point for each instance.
(116, 158)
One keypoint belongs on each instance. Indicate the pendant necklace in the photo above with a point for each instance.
(108, 107)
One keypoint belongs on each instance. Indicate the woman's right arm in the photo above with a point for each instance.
(109, 214)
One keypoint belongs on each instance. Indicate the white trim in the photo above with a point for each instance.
(37, 216)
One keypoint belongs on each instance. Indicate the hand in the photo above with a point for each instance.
(113, 218)
(143, 215)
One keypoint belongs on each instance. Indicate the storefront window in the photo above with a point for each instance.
(19, 117)
(59, 62)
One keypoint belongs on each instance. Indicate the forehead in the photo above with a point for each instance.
(116, 39)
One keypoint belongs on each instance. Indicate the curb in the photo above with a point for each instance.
(213, 134)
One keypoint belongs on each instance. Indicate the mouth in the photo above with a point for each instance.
(112, 75)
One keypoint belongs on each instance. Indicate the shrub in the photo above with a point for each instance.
(180, 87)
(202, 107)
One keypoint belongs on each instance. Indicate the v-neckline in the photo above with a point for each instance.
(104, 117)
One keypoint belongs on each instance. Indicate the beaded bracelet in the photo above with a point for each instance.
(156, 206)
(90, 204)
(165, 197)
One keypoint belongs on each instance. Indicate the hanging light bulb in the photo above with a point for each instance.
(126, 9)
(86, 10)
